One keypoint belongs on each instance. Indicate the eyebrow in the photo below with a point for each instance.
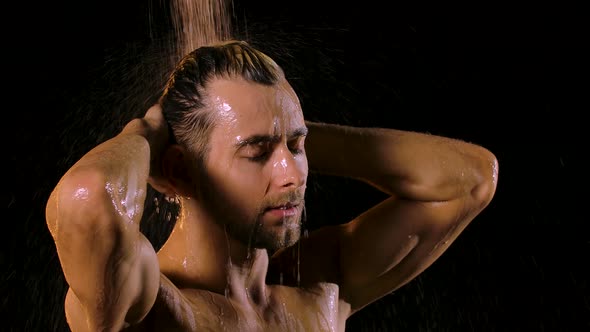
(273, 139)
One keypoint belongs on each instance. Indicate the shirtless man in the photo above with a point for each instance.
(229, 141)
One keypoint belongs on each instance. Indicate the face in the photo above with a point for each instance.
(256, 168)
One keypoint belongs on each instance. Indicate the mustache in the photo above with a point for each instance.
(295, 197)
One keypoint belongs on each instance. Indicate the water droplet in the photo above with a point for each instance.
(229, 263)
(298, 263)
(303, 214)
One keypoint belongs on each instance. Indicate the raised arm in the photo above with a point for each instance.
(437, 186)
(93, 215)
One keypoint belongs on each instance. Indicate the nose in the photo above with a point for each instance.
(289, 171)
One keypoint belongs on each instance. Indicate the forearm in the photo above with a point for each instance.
(112, 179)
(116, 171)
(407, 164)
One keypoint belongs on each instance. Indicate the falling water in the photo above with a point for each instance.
(200, 22)
(303, 215)
(229, 264)
(305, 235)
(298, 263)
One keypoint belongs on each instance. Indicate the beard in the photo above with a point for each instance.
(249, 228)
(255, 234)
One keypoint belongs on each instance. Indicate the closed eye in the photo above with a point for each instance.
(297, 145)
(258, 152)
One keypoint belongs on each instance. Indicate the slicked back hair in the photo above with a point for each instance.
(183, 101)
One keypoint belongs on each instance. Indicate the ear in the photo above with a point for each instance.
(177, 170)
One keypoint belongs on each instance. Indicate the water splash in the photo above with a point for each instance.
(122, 195)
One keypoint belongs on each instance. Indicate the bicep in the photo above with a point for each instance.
(393, 242)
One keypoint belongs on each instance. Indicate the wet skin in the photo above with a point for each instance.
(250, 198)
(256, 178)
(285, 309)
(215, 271)
(257, 160)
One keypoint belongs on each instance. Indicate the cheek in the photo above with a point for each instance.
(246, 184)
(250, 176)
(301, 162)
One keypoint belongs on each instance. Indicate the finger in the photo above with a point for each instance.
(154, 112)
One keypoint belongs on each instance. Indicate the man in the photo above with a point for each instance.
(228, 141)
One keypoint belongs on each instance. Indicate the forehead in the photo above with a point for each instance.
(247, 108)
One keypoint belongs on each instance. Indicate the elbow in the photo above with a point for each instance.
(80, 202)
(483, 192)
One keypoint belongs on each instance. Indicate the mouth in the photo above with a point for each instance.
(284, 206)
(288, 209)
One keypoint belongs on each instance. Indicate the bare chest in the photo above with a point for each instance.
(287, 309)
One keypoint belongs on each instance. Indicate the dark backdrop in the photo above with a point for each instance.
(513, 79)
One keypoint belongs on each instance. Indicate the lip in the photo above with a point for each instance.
(284, 211)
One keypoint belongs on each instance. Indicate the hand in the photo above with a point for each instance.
(154, 128)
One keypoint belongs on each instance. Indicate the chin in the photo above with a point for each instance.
(284, 238)
(289, 237)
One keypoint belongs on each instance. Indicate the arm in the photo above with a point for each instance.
(436, 185)
(93, 215)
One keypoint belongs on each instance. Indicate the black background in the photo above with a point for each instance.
(513, 79)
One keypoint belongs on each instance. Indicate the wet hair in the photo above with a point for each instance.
(183, 101)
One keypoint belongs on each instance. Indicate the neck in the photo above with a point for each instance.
(200, 254)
